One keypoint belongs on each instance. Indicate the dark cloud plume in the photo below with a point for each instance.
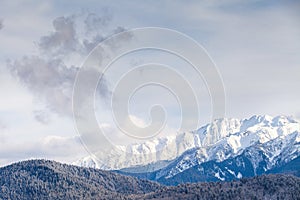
(50, 80)
(62, 40)
(93, 22)
(51, 73)
(78, 33)
(1, 24)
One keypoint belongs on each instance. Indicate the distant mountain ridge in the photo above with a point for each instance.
(272, 144)
(220, 140)
(42, 179)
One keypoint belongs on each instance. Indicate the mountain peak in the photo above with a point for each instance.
(218, 140)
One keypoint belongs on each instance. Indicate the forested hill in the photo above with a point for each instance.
(41, 179)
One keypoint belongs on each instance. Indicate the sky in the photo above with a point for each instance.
(254, 46)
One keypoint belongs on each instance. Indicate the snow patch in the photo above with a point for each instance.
(239, 175)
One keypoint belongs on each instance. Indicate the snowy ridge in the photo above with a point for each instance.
(88, 161)
(262, 156)
(219, 140)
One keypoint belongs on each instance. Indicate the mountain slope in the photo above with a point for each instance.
(262, 187)
(280, 155)
(254, 160)
(219, 140)
(292, 167)
(41, 179)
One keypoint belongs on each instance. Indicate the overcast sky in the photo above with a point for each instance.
(254, 44)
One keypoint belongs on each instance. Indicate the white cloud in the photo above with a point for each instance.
(138, 121)
(14, 98)
(64, 149)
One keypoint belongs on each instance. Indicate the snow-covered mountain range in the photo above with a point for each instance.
(276, 138)
(280, 155)
(263, 140)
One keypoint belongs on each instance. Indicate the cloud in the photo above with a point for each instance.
(62, 40)
(41, 116)
(2, 125)
(50, 80)
(77, 34)
(51, 73)
(93, 22)
(1, 24)
(55, 145)
(64, 149)
(138, 121)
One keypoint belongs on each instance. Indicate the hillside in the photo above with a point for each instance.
(261, 187)
(41, 179)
